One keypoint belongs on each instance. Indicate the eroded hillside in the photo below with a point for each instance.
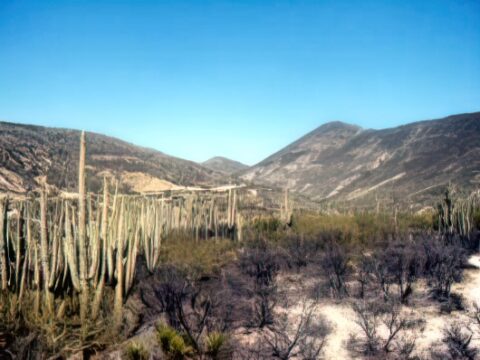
(29, 154)
(338, 161)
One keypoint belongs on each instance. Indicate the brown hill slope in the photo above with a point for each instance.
(28, 153)
(338, 161)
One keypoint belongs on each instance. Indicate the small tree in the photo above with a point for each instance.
(265, 299)
(364, 274)
(336, 265)
(458, 344)
(398, 264)
(370, 315)
(262, 265)
(445, 267)
(304, 339)
(192, 311)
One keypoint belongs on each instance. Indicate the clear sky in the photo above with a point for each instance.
(240, 79)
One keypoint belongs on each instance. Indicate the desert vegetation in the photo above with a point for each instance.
(224, 275)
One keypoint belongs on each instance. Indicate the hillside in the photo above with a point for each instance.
(338, 161)
(29, 153)
(224, 165)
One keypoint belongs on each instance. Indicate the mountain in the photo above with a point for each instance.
(29, 154)
(342, 162)
(224, 165)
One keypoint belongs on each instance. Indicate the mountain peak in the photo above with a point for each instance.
(216, 158)
(340, 161)
(337, 125)
(224, 165)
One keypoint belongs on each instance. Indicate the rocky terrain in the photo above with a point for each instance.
(31, 154)
(343, 162)
(224, 165)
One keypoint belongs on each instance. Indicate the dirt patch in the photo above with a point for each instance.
(342, 321)
(142, 182)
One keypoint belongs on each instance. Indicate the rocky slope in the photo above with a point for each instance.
(343, 162)
(29, 154)
(224, 165)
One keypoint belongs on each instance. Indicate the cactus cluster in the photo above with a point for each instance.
(455, 216)
(59, 255)
(73, 256)
(65, 251)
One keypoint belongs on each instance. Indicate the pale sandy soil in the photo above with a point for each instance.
(470, 287)
(144, 183)
(341, 317)
(140, 182)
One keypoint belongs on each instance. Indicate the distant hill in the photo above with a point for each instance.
(29, 154)
(224, 165)
(343, 162)
(335, 162)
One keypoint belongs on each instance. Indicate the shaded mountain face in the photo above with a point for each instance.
(338, 161)
(29, 154)
(224, 165)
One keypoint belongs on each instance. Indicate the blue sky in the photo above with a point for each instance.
(240, 79)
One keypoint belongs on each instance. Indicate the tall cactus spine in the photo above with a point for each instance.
(3, 240)
(104, 243)
(44, 251)
(82, 251)
(118, 301)
(26, 260)
(70, 250)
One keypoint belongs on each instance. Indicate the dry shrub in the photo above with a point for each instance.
(372, 315)
(136, 351)
(458, 344)
(335, 264)
(303, 338)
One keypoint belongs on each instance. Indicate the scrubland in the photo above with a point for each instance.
(322, 287)
(231, 275)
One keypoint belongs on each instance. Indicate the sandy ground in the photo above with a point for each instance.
(427, 335)
(342, 319)
(470, 287)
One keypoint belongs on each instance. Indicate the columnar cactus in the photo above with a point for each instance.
(3, 240)
(44, 251)
(103, 245)
(118, 302)
(82, 240)
(67, 253)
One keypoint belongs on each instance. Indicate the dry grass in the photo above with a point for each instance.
(197, 257)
